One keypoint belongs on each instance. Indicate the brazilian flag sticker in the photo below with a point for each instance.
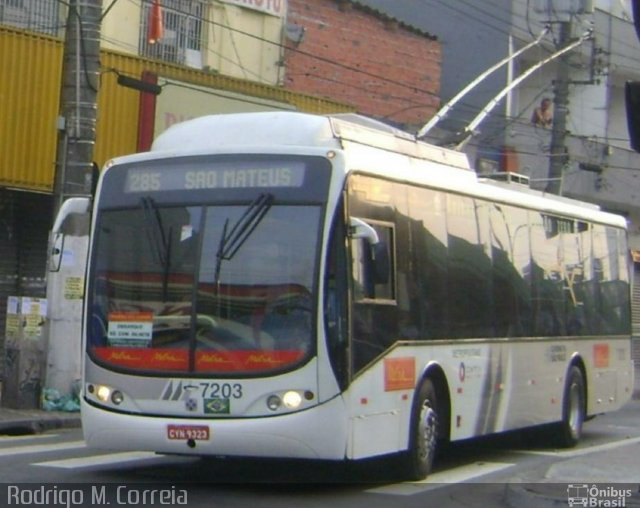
(217, 406)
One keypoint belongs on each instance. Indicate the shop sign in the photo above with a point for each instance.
(272, 7)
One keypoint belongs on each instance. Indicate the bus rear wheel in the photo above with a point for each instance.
(423, 440)
(569, 430)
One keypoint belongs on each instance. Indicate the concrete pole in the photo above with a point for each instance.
(73, 178)
(558, 151)
(78, 101)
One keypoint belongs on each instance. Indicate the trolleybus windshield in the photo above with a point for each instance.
(211, 281)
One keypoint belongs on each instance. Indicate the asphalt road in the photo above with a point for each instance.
(495, 471)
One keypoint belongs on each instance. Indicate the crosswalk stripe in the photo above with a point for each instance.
(99, 460)
(28, 437)
(576, 452)
(441, 479)
(41, 448)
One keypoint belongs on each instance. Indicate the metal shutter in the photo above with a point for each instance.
(25, 219)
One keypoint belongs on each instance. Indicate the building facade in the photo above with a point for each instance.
(345, 51)
(212, 56)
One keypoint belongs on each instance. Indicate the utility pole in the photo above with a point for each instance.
(559, 157)
(73, 178)
(78, 101)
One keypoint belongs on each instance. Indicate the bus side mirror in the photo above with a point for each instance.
(360, 229)
(378, 259)
(72, 206)
(57, 248)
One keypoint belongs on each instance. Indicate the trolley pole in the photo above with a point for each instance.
(78, 101)
(558, 151)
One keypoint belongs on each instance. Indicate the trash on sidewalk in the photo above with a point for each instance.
(53, 400)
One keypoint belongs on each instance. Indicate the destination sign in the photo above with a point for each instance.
(217, 176)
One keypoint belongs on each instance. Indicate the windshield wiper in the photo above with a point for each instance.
(231, 242)
(160, 242)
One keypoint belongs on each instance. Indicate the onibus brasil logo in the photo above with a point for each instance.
(592, 495)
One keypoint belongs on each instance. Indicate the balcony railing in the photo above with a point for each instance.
(182, 39)
(41, 16)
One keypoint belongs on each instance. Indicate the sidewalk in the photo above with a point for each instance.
(33, 421)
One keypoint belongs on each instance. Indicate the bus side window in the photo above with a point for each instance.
(372, 260)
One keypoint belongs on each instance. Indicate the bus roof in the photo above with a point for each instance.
(234, 130)
(284, 128)
(444, 168)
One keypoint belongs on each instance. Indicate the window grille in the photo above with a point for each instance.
(181, 42)
(36, 15)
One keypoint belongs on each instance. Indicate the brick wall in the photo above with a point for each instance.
(357, 56)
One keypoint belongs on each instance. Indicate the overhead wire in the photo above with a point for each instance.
(326, 60)
(517, 119)
(487, 14)
(506, 30)
(495, 23)
(486, 17)
(526, 17)
(447, 4)
(282, 47)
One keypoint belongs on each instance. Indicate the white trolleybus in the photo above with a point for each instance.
(300, 286)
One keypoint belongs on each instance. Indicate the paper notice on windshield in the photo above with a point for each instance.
(133, 329)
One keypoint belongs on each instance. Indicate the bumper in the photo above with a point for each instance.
(317, 433)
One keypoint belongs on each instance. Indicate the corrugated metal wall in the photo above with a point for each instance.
(30, 66)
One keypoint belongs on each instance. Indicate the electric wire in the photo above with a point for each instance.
(496, 23)
(443, 2)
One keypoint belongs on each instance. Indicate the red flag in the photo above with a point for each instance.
(155, 27)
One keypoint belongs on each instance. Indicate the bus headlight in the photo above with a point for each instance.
(103, 393)
(106, 393)
(292, 400)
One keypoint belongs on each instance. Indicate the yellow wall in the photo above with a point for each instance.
(29, 65)
(232, 52)
(30, 95)
(120, 27)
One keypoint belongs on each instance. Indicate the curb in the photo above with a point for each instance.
(35, 424)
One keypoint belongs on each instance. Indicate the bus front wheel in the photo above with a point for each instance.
(425, 421)
(573, 409)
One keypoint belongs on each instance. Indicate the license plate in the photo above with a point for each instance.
(184, 432)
